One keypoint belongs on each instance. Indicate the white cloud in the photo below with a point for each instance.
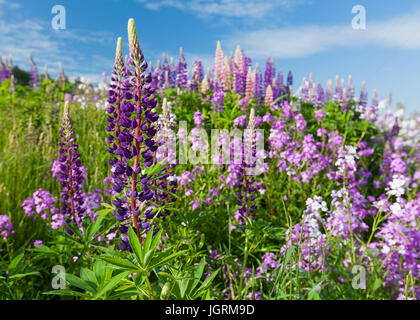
(11, 5)
(7, 5)
(227, 8)
(399, 32)
(36, 38)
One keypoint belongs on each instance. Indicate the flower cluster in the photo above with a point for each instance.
(69, 172)
(6, 227)
(5, 69)
(43, 204)
(133, 146)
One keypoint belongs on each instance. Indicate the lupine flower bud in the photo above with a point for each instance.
(205, 85)
(268, 100)
(218, 63)
(249, 90)
(118, 53)
(329, 90)
(375, 100)
(226, 75)
(133, 40)
(46, 76)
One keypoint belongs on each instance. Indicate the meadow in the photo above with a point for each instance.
(231, 183)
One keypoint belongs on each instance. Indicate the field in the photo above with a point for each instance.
(236, 183)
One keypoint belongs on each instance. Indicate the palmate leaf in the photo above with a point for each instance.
(135, 245)
(101, 272)
(111, 284)
(120, 263)
(89, 277)
(164, 258)
(147, 242)
(156, 240)
(148, 258)
(80, 283)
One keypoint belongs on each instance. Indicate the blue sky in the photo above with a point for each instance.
(300, 35)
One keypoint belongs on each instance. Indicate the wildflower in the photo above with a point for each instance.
(181, 71)
(41, 203)
(270, 73)
(219, 64)
(268, 100)
(133, 127)
(240, 173)
(69, 172)
(195, 204)
(396, 186)
(5, 226)
(34, 76)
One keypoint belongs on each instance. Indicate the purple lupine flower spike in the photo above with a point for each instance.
(166, 68)
(172, 72)
(244, 182)
(239, 72)
(321, 96)
(9, 67)
(181, 71)
(2, 70)
(289, 83)
(197, 75)
(34, 76)
(5, 69)
(137, 148)
(269, 73)
(62, 79)
(280, 84)
(119, 125)
(363, 95)
(69, 172)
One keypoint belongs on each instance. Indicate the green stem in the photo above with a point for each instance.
(149, 287)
